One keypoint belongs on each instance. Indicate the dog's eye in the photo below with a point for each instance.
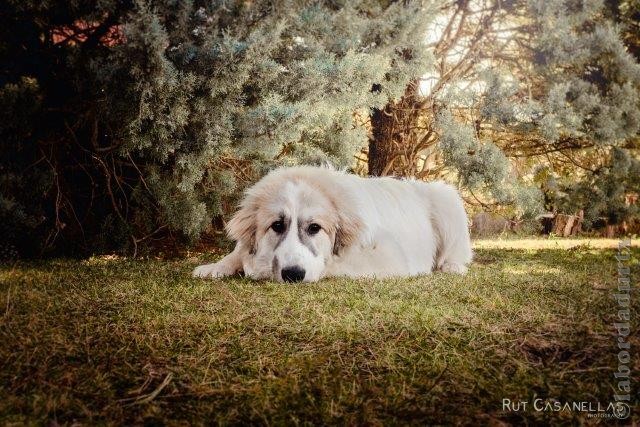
(278, 226)
(313, 228)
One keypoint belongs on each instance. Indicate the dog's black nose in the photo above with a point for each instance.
(292, 274)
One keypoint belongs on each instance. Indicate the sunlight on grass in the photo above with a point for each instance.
(533, 269)
(550, 243)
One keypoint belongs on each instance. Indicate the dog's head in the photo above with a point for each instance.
(291, 226)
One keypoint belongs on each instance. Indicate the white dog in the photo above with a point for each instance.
(306, 223)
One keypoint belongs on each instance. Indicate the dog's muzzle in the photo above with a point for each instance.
(292, 274)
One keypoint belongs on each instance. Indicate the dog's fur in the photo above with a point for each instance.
(377, 227)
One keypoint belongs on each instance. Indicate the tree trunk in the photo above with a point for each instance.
(577, 227)
(393, 129)
(610, 231)
(568, 225)
(381, 142)
(559, 224)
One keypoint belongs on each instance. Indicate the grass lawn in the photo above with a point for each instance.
(113, 340)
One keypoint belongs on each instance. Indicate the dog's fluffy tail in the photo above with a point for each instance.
(449, 221)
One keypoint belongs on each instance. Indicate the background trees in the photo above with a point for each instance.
(526, 95)
(128, 121)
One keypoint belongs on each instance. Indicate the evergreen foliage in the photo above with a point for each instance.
(128, 120)
(583, 111)
(525, 86)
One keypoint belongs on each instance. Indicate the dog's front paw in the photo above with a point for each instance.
(214, 270)
(449, 267)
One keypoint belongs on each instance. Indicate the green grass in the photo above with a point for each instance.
(112, 340)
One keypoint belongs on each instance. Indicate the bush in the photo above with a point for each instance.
(125, 121)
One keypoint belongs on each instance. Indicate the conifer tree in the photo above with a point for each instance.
(525, 92)
(124, 121)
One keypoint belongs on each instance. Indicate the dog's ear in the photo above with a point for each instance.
(347, 231)
(242, 227)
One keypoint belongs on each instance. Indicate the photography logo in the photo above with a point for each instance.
(618, 410)
(622, 325)
(621, 411)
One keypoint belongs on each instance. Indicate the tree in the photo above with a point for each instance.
(404, 130)
(521, 86)
(126, 121)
